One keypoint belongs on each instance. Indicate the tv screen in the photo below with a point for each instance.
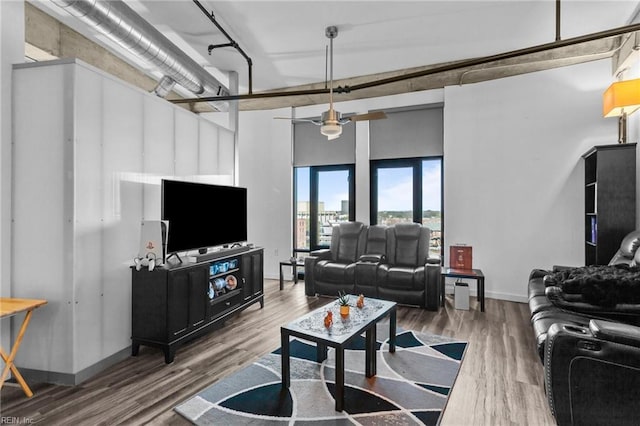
(203, 215)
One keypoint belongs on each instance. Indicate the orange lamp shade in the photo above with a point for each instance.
(621, 97)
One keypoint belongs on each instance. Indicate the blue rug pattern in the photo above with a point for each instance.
(411, 386)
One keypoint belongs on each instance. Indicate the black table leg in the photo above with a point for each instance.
(339, 379)
(281, 278)
(284, 356)
(321, 352)
(392, 330)
(295, 273)
(442, 289)
(481, 293)
(370, 351)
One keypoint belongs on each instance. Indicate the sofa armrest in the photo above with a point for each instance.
(588, 377)
(558, 268)
(372, 258)
(309, 275)
(322, 254)
(615, 332)
(433, 260)
(432, 286)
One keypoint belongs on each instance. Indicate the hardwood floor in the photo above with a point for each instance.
(500, 382)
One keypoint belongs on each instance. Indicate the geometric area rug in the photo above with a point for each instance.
(411, 386)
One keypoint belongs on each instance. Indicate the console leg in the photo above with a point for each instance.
(169, 353)
(135, 348)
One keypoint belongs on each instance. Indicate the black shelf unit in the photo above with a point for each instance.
(174, 304)
(609, 199)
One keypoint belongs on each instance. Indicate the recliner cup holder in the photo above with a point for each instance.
(575, 329)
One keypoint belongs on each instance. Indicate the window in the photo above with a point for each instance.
(409, 190)
(324, 196)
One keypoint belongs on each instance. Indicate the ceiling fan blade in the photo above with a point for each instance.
(369, 116)
(316, 121)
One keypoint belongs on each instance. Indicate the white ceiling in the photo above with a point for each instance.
(286, 39)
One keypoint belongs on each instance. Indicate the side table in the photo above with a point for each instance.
(294, 265)
(475, 274)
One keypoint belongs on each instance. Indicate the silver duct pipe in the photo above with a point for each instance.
(123, 25)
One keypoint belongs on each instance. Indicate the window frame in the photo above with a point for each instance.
(314, 172)
(416, 163)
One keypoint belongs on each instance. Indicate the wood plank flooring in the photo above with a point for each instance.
(500, 382)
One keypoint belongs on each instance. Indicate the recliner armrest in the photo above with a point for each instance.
(433, 261)
(323, 254)
(615, 332)
(372, 258)
(558, 268)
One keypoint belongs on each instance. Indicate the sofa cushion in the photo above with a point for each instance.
(347, 241)
(407, 238)
(539, 303)
(401, 277)
(334, 272)
(376, 240)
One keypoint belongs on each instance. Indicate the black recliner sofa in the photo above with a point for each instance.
(586, 322)
(390, 263)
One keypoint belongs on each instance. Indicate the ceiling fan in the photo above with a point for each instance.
(331, 121)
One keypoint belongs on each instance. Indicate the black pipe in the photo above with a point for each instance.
(232, 42)
(443, 68)
(306, 92)
(557, 20)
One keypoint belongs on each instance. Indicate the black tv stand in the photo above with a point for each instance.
(176, 303)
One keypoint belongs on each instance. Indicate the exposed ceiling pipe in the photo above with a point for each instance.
(232, 42)
(435, 70)
(558, 9)
(123, 25)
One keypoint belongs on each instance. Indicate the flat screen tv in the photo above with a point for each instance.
(203, 215)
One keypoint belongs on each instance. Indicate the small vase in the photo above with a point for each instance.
(344, 310)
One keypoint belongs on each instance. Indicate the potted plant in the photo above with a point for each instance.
(343, 301)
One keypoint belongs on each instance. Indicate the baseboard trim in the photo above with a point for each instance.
(71, 379)
(473, 291)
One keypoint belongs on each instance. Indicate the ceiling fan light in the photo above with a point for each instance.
(331, 130)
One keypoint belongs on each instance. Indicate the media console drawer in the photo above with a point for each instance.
(219, 307)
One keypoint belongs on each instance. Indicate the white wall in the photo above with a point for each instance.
(85, 176)
(11, 51)
(513, 169)
(264, 150)
(265, 168)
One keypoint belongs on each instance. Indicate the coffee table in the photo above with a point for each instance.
(311, 327)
